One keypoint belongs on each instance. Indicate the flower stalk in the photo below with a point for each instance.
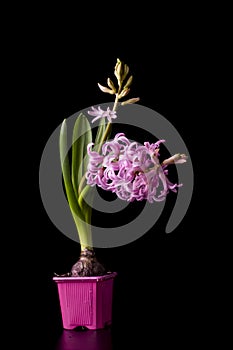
(74, 174)
(130, 170)
(121, 71)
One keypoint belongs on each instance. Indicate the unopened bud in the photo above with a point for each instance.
(130, 101)
(126, 71)
(105, 89)
(119, 71)
(129, 82)
(176, 159)
(111, 85)
(123, 93)
(118, 62)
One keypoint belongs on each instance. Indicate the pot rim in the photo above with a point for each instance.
(86, 278)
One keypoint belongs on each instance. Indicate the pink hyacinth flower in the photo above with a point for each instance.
(131, 170)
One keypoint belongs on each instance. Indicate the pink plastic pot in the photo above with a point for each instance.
(86, 301)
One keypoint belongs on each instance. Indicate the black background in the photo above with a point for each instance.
(160, 292)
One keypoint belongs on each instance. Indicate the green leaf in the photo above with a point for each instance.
(65, 165)
(82, 136)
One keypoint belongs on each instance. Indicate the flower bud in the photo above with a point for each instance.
(111, 85)
(105, 89)
(176, 159)
(130, 101)
(126, 71)
(118, 62)
(123, 93)
(129, 82)
(120, 71)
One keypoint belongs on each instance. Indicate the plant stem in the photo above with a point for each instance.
(84, 232)
(116, 101)
(86, 238)
(81, 188)
(84, 191)
(108, 125)
(82, 182)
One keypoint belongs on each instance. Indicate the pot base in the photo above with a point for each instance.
(86, 301)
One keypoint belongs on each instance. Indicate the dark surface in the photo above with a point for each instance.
(160, 293)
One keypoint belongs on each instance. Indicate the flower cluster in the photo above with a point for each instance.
(131, 170)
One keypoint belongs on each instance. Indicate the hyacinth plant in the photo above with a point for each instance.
(130, 170)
